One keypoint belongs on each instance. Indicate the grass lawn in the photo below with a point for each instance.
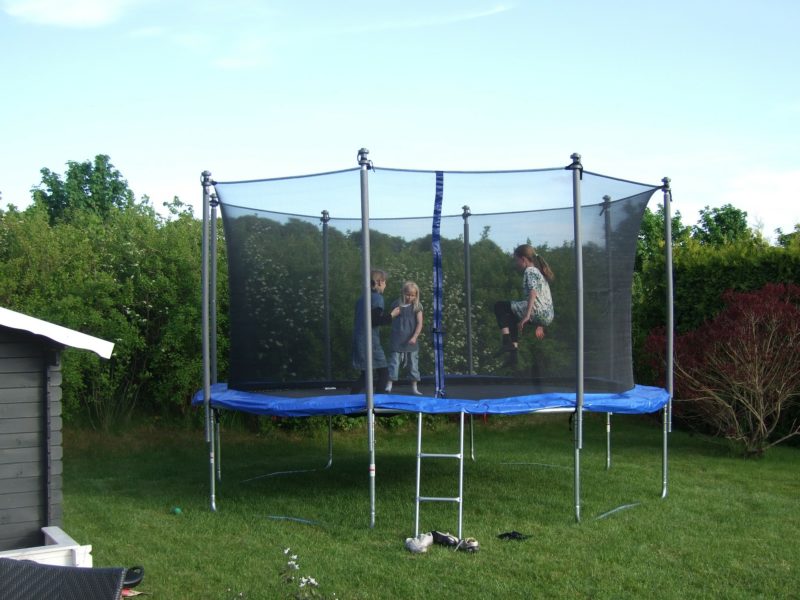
(729, 527)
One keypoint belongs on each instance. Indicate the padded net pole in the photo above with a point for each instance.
(212, 321)
(366, 165)
(212, 284)
(468, 290)
(326, 295)
(667, 417)
(611, 299)
(205, 312)
(438, 289)
(611, 303)
(577, 172)
(468, 316)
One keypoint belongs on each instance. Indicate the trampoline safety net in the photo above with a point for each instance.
(295, 272)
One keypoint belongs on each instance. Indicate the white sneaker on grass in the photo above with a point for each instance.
(419, 544)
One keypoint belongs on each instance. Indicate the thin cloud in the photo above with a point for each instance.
(251, 52)
(433, 21)
(78, 13)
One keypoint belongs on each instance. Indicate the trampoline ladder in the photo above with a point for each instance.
(459, 499)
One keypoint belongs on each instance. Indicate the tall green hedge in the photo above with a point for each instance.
(701, 274)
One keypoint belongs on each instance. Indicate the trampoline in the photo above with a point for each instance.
(294, 278)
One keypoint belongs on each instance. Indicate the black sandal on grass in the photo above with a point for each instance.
(513, 535)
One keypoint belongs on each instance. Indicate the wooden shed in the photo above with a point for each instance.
(30, 424)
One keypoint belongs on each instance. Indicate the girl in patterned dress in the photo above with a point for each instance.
(535, 309)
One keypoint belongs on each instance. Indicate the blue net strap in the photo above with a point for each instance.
(438, 289)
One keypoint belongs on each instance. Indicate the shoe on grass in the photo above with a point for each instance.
(419, 544)
(513, 535)
(468, 545)
(445, 539)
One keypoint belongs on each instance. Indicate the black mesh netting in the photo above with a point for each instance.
(27, 580)
(292, 322)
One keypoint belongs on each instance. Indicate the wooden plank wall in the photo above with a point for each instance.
(30, 496)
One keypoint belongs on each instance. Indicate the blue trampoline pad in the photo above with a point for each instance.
(338, 401)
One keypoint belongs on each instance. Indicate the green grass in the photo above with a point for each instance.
(729, 527)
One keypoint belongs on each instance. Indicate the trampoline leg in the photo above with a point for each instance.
(472, 438)
(608, 441)
(461, 473)
(212, 464)
(330, 442)
(578, 443)
(664, 463)
(218, 438)
(419, 467)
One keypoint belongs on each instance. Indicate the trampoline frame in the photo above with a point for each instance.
(209, 343)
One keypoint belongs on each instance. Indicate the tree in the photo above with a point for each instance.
(94, 186)
(722, 225)
(651, 235)
(87, 256)
(787, 239)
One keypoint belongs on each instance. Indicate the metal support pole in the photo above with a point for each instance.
(577, 174)
(419, 469)
(468, 288)
(212, 320)
(326, 295)
(205, 311)
(667, 417)
(212, 283)
(610, 304)
(465, 214)
(366, 165)
(460, 474)
(610, 300)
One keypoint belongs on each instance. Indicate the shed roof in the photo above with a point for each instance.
(57, 333)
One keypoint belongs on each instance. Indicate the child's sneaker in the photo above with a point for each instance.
(419, 544)
(445, 539)
(468, 545)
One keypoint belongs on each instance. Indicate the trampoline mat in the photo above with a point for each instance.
(468, 395)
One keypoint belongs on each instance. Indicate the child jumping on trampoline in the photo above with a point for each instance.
(536, 308)
(406, 328)
(377, 318)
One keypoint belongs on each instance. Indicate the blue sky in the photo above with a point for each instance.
(704, 92)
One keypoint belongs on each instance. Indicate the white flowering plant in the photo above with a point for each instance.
(303, 586)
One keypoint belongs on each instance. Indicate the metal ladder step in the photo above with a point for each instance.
(459, 456)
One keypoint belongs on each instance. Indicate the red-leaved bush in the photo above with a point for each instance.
(738, 375)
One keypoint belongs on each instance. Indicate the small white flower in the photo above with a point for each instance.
(287, 550)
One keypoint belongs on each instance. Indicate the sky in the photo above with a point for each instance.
(704, 92)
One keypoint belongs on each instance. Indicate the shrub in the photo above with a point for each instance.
(739, 373)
